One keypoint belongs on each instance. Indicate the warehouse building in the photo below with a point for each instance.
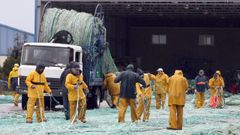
(186, 34)
(9, 37)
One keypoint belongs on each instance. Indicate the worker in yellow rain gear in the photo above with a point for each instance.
(113, 88)
(161, 82)
(144, 97)
(216, 90)
(13, 82)
(128, 92)
(77, 99)
(177, 87)
(37, 84)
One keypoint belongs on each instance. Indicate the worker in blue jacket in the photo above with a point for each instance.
(201, 82)
(128, 80)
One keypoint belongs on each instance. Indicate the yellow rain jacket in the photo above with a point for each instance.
(114, 88)
(161, 82)
(13, 75)
(213, 83)
(148, 90)
(147, 94)
(71, 81)
(40, 82)
(177, 87)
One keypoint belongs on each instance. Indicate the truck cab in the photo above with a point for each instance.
(55, 57)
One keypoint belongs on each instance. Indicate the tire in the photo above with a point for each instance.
(24, 101)
(95, 99)
(98, 98)
(48, 105)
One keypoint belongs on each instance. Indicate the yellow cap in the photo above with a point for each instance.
(218, 72)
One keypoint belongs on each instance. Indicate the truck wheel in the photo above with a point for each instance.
(24, 101)
(48, 105)
(95, 99)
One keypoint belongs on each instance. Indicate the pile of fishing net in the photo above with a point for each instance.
(84, 28)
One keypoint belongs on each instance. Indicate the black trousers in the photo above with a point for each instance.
(65, 103)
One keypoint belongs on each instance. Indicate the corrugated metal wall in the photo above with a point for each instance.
(8, 36)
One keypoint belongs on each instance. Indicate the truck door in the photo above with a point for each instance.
(77, 57)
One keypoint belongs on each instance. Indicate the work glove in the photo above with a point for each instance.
(217, 87)
(79, 83)
(88, 93)
(195, 90)
(141, 87)
(76, 87)
(141, 96)
(50, 93)
(33, 87)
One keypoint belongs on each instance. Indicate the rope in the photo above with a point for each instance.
(55, 100)
(76, 110)
(50, 103)
(41, 110)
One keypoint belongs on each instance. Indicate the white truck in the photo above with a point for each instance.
(55, 56)
(93, 55)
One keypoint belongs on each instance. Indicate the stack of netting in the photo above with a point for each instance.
(84, 28)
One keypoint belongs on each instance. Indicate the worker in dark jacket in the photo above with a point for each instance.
(201, 85)
(65, 91)
(128, 92)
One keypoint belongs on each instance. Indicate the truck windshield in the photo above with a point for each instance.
(50, 56)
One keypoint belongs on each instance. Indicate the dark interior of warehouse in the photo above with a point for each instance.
(172, 35)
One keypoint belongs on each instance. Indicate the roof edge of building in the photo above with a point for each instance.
(16, 29)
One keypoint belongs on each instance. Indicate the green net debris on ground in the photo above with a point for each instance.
(84, 28)
(203, 121)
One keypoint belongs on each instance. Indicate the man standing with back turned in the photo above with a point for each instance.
(128, 93)
(177, 87)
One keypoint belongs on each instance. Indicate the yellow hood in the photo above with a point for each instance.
(178, 72)
(16, 65)
(108, 75)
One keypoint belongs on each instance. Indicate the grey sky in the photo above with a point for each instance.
(18, 14)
